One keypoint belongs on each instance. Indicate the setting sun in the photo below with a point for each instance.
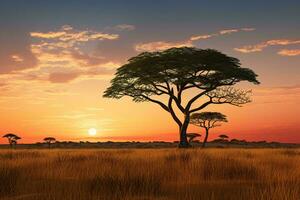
(92, 131)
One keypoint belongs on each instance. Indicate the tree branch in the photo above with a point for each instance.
(177, 120)
(157, 102)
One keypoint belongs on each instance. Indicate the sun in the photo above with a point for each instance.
(92, 131)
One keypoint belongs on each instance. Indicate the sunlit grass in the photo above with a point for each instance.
(271, 174)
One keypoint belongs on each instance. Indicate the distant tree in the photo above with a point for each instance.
(173, 72)
(192, 136)
(49, 141)
(12, 139)
(207, 120)
(223, 137)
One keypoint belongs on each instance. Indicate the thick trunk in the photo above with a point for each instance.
(183, 143)
(205, 139)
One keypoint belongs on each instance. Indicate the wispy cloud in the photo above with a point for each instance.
(48, 35)
(289, 52)
(260, 46)
(60, 57)
(17, 58)
(127, 27)
(221, 32)
(200, 37)
(162, 45)
(67, 33)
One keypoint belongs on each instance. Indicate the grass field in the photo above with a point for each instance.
(271, 174)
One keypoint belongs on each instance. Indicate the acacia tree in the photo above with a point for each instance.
(223, 137)
(207, 120)
(12, 139)
(49, 141)
(171, 73)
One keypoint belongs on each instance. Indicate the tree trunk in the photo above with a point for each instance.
(205, 139)
(183, 143)
(10, 143)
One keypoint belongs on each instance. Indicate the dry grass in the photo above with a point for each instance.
(271, 174)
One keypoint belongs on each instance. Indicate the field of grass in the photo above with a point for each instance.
(271, 174)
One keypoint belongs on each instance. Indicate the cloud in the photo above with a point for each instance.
(162, 45)
(67, 33)
(247, 29)
(228, 31)
(126, 27)
(17, 58)
(87, 60)
(200, 37)
(259, 47)
(49, 35)
(221, 32)
(57, 57)
(289, 52)
(65, 58)
(63, 77)
(66, 75)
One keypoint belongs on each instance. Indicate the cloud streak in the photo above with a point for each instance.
(125, 27)
(163, 45)
(289, 52)
(260, 46)
(67, 33)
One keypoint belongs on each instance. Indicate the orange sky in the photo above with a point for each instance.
(53, 71)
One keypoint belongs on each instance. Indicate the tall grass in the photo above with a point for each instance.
(270, 174)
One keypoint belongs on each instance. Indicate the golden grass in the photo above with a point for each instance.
(269, 174)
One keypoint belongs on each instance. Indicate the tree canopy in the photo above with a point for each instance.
(223, 136)
(49, 139)
(171, 72)
(208, 119)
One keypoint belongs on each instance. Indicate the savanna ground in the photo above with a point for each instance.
(271, 174)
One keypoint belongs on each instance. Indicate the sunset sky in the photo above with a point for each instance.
(57, 58)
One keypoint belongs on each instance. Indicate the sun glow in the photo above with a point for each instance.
(92, 131)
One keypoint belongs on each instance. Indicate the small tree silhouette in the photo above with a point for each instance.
(49, 141)
(207, 120)
(12, 139)
(223, 137)
(192, 136)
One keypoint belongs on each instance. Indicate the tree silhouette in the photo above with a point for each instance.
(223, 137)
(12, 139)
(171, 73)
(49, 141)
(207, 120)
(192, 136)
